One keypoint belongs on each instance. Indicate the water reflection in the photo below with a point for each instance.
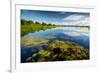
(77, 35)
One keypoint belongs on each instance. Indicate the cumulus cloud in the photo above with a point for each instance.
(76, 19)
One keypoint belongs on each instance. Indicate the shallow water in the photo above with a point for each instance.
(77, 35)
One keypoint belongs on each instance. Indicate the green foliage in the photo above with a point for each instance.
(44, 53)
(30, 26)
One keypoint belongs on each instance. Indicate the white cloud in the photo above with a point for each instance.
(76, 19)
(84, 22)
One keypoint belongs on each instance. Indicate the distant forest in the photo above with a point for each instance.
(30, 26)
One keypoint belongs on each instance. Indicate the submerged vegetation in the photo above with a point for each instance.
(30, 26)
(30, 42)
(57, 50)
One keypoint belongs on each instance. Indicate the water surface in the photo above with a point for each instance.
(77, 35)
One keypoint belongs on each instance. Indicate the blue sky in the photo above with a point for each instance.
(59, 18)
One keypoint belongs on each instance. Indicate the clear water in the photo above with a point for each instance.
(78, 35)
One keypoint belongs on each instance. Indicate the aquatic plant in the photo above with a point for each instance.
(60, 50)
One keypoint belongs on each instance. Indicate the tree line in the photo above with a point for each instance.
(28, 26)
